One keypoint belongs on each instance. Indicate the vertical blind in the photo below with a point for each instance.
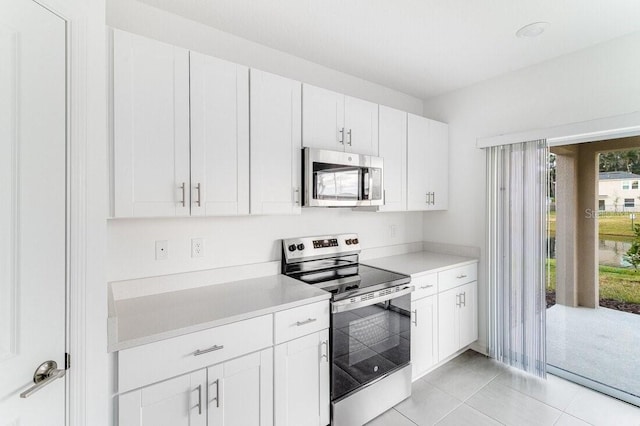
(516, 212)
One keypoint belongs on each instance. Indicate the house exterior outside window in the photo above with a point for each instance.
(618, 192)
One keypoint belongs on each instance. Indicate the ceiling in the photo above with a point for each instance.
(419, 47)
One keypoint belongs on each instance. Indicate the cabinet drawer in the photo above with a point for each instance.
(300, 321)
(425, 285)
(457, 276)
(157, 361)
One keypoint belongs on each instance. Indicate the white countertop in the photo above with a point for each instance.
(420, 262)
(147, 319)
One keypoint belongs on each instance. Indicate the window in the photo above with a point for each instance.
(625, 184)
(634, 184)
(629, 202)
(601, 205)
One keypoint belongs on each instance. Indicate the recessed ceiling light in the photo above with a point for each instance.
(532, 30)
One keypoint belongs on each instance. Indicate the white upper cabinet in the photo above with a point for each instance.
(393, 149)
(275, 144)
(219, 137)
(337, 122)
(427, 164)
(151, 127)
(361, 126)
(322, 118)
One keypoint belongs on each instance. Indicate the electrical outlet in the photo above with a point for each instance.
(162, 249)
(392, 230)
(197, 247)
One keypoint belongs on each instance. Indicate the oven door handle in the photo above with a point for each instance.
(347, 305)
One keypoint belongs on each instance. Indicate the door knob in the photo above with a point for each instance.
(46, 373)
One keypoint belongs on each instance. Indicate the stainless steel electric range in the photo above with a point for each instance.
(370, 324)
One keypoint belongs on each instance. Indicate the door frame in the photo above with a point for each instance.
(87, 203)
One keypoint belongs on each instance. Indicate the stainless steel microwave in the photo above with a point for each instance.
(341, 179)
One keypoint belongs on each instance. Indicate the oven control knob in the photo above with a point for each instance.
(354, 241)
(348, 242)
(300, 246)
(292, 247)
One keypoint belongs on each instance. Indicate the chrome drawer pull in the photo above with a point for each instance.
(211, 349)
(461, 276)
(307, 321)
(426, 286)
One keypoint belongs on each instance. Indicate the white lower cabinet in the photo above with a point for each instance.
(424, 335)
(301, 385)
(236, 392)
(180, 401)
(240, 391)
(458, 318)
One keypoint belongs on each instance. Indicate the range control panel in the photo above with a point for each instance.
(304, 248)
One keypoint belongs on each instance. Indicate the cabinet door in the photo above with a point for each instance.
(151, 127)
(417, 162)
(361, 126)
(301, 378)
(180, 401)
(448, 323)
(424, 335)
(468, 314)
(393, 149)
(241, 391)
(275, 144)
(438, 165)
(322, 118)
(219, 137)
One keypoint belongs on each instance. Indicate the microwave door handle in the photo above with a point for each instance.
(370, 185)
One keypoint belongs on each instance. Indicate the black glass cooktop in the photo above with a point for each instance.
(351, 279)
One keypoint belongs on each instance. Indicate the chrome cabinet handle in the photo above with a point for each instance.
(199, 192)
(349, 135)
(433, 198)
(341, 135)
(184, 194)
(325, 353)
(305, 322)
(458, 298)
(199, 389)
(296, 198)
(415, 315)
(464, 299)
(426, 286)
(217, 398)
(461, 276)
(46, 373)
(211, 349)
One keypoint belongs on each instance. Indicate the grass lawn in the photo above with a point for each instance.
(612, 226)
(615, 283)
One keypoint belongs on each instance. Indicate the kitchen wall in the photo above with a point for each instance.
(243, 240)
(597, 82)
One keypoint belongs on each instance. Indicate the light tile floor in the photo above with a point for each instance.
(476, 391)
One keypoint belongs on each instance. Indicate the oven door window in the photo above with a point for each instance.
(368, 343)
(331, 182)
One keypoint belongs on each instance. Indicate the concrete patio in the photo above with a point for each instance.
(600, 344)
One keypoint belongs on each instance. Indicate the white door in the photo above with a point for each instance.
(151, 127)
(424, 335)
(219, 136)
(322, 119)
(32, 211)
(469, 314)
(417, 162)
(241, 391)
(181, 401)
(438, 165)
(393, 150)
(361, 126)
(448, 323)
(275, 144)
(301, 377)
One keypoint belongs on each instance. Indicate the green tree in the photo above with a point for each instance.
(633, 254)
